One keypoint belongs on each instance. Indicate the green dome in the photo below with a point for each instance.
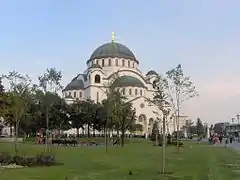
(152, 72)
(126, 81)
(113, 49)
(75, 84)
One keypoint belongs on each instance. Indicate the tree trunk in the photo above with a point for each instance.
(156, 140)
(47, 132)
(122, 137)
(11, 130)
(88, 131)
(16, 138)
(25, 137)
(164, 145)
(178, 148)
(106, 140)
(94, 133)
(77, 132)
(118, 137)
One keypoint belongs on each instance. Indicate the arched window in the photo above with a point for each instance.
(123, 63)
(97, 62)
(116, 62)
(130, 91)
(97, 79)
(136, 92)
(103, 63)
(109, 62)
(141, 92)
(128, 63)
(123, 91)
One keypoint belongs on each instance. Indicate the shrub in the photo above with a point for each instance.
(174, 143)
(38, 160)
(6, 158)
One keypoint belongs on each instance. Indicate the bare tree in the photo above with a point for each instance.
(50, 83)
(180, 88)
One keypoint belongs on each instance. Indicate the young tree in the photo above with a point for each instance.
(19, 98)
(17, 111)
(181, 88)
(49, 82)
(112, 105)
(160, 100)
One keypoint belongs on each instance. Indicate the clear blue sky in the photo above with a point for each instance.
(201, 35)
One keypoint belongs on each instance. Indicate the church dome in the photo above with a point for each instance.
(113, 49)
(126, 81)
(75, 84)
(152, 72)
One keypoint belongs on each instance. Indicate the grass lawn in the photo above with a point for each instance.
(194, 162)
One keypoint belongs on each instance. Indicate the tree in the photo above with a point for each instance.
(160, 100)
(49, 82)
(136, 127)
(17, 111)
(200, 128)
(3, 100)
(126, 118)
(180, 88)
(76, 116)
(155, 134)
(112, 105)
(187, 126)
(19, 97)
(2, 90)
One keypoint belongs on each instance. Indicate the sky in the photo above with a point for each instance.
(201, 35)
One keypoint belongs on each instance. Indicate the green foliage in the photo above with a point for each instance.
(155, 130)
(50, 80)
(2, 90)
(200, 128)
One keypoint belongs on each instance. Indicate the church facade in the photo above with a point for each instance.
(107, 61)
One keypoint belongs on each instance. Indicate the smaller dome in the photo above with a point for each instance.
(75, 84)
(152, 72)
(95, 66)
(126, 81)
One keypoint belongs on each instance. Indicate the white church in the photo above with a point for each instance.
(105, 62)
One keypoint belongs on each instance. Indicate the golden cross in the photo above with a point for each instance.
(113, 36)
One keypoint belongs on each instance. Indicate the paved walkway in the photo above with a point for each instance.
(235, 146)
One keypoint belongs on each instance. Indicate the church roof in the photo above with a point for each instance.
(96, 66)
(152, 72)
(75, 84)
(125, 81)
(113, 49)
